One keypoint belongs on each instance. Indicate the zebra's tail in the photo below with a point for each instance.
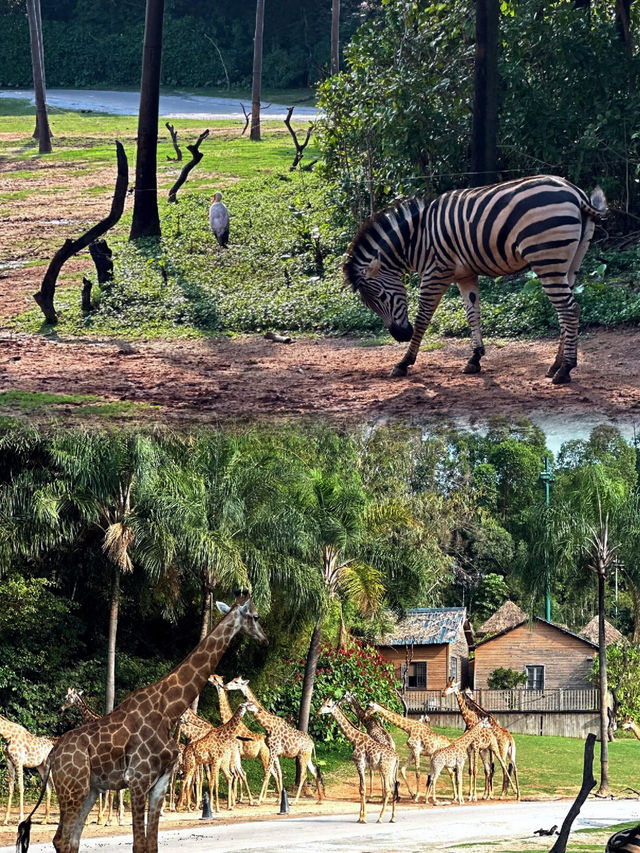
(596, 207)
(24, 828)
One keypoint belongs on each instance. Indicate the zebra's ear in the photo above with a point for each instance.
(373, 269)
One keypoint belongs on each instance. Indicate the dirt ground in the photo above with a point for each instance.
(250, 377)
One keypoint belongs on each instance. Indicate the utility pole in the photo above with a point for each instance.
(547, 477)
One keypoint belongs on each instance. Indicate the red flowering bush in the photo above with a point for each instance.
(359, 669)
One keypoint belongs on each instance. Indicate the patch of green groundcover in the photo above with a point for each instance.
(579, 842)
(50, 404)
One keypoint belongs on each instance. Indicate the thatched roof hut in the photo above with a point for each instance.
(507, 616)
(611, 633)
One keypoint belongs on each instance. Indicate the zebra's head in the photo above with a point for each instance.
(381, 288)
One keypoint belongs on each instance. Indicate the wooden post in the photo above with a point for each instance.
(37, 61)
(256, 89)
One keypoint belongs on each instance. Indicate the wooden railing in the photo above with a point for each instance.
(520, 700)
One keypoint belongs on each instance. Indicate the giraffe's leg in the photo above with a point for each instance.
(138, 799)
(20, 775)
(394, 792)
(431, 293)
(315, 771)
(471, 299)
(11, 772)
(403, 772)
(302, 765)
(416, 758)
(435, 772)
(385, 796)
(121, 817)
(363, 791)
(370, 783)
(459, 778)
(74, 811)
(272, 769)
(156, 798)
(47, 810)
(101, 807)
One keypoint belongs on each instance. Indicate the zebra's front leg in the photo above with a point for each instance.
(430, 295)
(471, 299)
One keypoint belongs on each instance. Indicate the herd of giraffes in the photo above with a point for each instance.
(138, 746)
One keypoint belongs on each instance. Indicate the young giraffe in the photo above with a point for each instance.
(193, 727)
(253, 744)
(629, 723)
(506, 744)
(25, 750)
(219, 749)
(374, 729)
(282, 739)
(453, 758)
(422, 740)
(370, 753)
(472, 719)
(132, 746)
(75, 697)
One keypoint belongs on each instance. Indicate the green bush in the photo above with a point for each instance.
(503, 678)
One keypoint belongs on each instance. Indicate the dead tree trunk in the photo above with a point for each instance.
(335, 36)
(196, 156)
(256, 89)
(45, 296)
(299, 147)
(588, 783)
(37, 62)
(174, 138)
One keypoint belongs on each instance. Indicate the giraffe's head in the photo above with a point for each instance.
(371, 708)
(238, 683)
(628, 722)
(248, 706)
(248, 619)
(451, 687)
(71, 698)
(328, 706)
(217, 681)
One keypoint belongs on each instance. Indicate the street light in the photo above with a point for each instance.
(547, 478)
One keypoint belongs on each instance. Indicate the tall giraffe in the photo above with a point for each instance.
(629, 723)
(370, 753)
(453, 758)
(422, 740)
(471, 719)
(132, 746)
(253, 744)
(506, 743)
(282, 739)
(25, 750)
(75, 698)
(374, 728)
(218, 748)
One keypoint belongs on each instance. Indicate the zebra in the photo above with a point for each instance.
(627, 841)
(543, 222)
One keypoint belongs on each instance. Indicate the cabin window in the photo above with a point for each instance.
(535, 677)
(453, 670)
(416, 675)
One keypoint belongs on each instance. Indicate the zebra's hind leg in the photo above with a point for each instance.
(431, 292)
(471, 299)
(558, 288)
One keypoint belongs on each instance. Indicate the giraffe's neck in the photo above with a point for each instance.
(229, 729)
(350, 732)
(9, 729)
(470, 718)
(177, 690)
(250, 696)
(397, 719)
(225, 708)
(358, 709)
(86, 712)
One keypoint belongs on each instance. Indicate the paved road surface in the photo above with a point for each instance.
(415, 830)
(171, 106)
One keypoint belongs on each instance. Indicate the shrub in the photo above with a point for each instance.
(503, 678)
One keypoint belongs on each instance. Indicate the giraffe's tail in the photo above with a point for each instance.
(24, 828)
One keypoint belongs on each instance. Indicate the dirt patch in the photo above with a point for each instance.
(249, 377)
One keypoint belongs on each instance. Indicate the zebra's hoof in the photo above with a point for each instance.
(471, 367)
(399, 370)
(562, 376)
(553, 370)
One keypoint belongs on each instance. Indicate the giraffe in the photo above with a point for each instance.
(374, 729)
(471, 718)
(453, 758)
(422, 740)
(132, 746)
(370, 753)
(629, 723)
(75, 698)
(253, 744)
(218, 748)
(25, 750)
(506, 744)
(193, 727)
(282, 739)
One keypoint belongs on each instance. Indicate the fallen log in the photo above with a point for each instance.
(196, 156)
(45, 296)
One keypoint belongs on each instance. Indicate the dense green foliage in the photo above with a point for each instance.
(398, 119)
(623, 672)
(503, 678)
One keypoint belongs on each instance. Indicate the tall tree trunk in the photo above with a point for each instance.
(623, 24)
(256, 90)
(37, 62)
(485, 102)
(309, 677)
(604, 717)
(146, 220)
(205, 619)
(335, 36)
(110, 681)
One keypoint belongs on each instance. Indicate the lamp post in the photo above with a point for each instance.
(547, 478)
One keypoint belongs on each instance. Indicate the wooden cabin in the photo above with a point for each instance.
(552, 656)
(428, 646)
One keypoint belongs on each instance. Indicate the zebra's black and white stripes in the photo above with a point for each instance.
(544, 222)
(627, 841)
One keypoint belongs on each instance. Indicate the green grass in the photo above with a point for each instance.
(583, 841)
(45, 404)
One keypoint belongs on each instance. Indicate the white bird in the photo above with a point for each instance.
(219, 220)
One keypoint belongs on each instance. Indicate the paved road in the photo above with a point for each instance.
(171, 106)
(415, 831)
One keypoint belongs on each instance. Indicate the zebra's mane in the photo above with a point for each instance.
(369, 225)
